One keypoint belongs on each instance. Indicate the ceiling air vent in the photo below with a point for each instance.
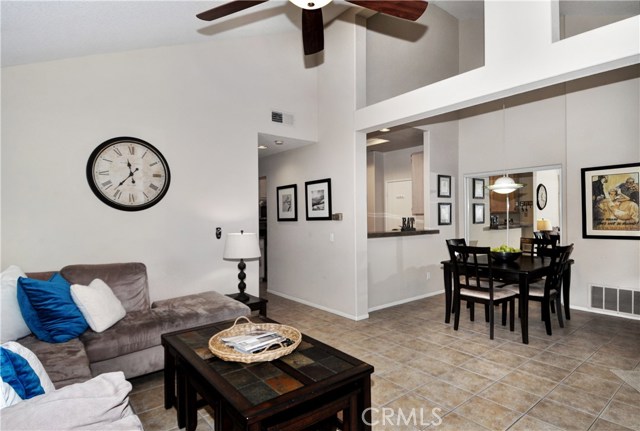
(281, 117)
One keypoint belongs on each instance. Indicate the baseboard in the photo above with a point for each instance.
(404, 301)
(605, 312)
(320, 307)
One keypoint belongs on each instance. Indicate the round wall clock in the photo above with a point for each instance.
(128, 174)
(541, 196)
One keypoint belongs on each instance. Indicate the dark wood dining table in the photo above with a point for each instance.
(524, 270)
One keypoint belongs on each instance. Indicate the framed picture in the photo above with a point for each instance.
(318, 198)
(478, 188)
(287, 202)
(444, 213)
(478, 213)
(444, 186)
(610, 202)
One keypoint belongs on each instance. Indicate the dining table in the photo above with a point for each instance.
(523, 270)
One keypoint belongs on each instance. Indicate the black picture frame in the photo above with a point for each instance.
(478, 213)
(444, 186)
(287, 198)
(610, 201)
(318, 199)
(478, 188)
(444, 213)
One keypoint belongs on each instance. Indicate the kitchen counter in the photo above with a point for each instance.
(504, 226)
(402, 233)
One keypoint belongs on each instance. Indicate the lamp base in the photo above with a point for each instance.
(242, 297)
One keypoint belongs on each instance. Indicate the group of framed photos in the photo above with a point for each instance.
(317, 198)
(444, 208)
(478, 193)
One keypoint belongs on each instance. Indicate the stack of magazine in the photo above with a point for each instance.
(256, 341)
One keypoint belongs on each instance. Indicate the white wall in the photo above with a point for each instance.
(305, 264)
(403, 58)
(603, 129)
(551, 180)
(201, 105)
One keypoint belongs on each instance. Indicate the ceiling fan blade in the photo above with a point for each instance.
(312, 31)
(405, 9)
(228, 9)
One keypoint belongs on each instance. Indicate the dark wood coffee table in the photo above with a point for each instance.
(309, 386)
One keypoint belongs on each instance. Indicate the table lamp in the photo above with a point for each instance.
(544, 225)
(241, 246)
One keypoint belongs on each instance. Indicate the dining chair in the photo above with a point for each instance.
(452, 255)
(537, 246)
(547, 291)
(473, 282)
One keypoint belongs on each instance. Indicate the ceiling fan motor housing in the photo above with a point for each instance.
(310, 5)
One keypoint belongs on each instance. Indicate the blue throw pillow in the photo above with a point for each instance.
(49, 310)
(18, 374)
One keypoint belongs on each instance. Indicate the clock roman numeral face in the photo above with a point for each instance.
(128, 174)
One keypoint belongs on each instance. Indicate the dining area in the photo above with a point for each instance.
(540, 271)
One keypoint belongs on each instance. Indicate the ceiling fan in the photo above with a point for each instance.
(312, 24)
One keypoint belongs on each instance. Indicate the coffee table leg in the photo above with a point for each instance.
(190, 404)
(181, 396)
(363, 410)
(169, 379)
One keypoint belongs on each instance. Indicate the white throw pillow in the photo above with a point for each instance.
(98, 304)
(12, 325)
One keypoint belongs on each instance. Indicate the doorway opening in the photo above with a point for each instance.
(262, 233)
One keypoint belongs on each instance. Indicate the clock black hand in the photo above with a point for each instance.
(133, 180)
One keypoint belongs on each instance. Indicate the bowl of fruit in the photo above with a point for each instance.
(505, 254)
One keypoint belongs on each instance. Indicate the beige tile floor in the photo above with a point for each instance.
(555, 382)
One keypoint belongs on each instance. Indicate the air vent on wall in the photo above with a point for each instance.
(616, 300)
(281, 117)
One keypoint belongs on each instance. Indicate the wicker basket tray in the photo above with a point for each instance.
(224, 352)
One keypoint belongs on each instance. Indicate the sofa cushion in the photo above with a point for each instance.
(209, 307)
(142, 329)
(49, 310)
(65, 363)
(13, 324)
(99, 306)
(127, 280)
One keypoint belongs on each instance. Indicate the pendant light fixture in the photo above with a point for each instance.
(505, 184)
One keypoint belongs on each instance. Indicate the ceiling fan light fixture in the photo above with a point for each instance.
(310, 5)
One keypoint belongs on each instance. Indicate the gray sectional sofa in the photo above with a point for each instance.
(132, 345)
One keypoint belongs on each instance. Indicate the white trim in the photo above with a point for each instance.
(320, 307)
(606, 312)
(404, 301)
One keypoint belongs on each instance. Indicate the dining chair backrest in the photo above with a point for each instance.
(474, 270)
(559, 261)
(453, 242)
(537, 246)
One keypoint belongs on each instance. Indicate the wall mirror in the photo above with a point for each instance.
(535, 207)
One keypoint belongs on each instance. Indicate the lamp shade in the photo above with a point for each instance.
(544, 225)
(241, 246)
(505, 185)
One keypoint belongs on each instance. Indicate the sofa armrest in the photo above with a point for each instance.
(99, 403)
